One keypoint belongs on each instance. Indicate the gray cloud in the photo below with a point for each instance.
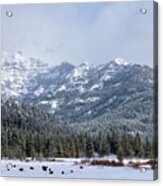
(95, 33)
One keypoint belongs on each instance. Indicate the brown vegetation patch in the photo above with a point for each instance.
(107, 163)
(137, 165)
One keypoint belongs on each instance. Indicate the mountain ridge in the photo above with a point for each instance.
(83, 93)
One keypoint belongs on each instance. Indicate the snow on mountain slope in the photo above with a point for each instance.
(23, 76)
(18, 74)
(121, 61)
(74, 93)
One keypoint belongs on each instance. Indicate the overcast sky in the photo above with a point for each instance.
(91, 32)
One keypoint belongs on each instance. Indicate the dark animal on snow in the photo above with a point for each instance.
(44, 168)
(21, 169)
(51, 172)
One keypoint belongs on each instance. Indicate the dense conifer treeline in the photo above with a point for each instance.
(30, 132)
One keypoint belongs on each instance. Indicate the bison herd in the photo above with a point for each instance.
(45, 169)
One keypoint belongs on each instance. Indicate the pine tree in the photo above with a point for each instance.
(104, 147)
(120, 154)
(141, 152)
(115, 139)
(148, 149)
(59, 148)
(38, 145)
(76, 148)
(30, 151)
(89, 148)
(129, 152)
(137, 145)
(72, 148)
(126, 145)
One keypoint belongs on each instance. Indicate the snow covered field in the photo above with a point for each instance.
(69, 169)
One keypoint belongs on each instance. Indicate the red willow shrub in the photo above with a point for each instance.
(107, 163)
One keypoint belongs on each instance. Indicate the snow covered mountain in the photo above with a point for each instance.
(79, 93)
(18, 75)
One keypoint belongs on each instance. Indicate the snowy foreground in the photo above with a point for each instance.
(71, 168)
